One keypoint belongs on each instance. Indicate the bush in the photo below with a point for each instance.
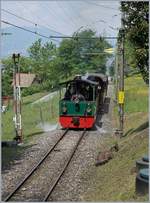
(31, 90)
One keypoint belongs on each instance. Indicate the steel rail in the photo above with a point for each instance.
(64, 168)
(34, 168)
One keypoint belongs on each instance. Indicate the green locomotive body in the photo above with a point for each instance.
(81, 102)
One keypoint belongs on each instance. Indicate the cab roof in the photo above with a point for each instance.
(78, 80)
(101, 76)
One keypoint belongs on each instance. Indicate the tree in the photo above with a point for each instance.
(136, 31)
(52, 65)
(7, 73)
(41, 56)
(83, 54)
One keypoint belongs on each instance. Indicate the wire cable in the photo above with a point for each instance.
(27, 20)
(27, 30)
(54, 14)
(6, 11)
(66, 14)
(89, 2)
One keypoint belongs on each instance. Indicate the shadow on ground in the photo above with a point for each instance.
(138, 129)
(104, 109)
(10, 154)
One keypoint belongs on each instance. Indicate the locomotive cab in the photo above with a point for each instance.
(77, 107)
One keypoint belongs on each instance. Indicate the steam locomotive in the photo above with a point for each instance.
(83, 97)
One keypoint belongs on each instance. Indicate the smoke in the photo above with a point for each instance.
(84, 77)
(101, 130)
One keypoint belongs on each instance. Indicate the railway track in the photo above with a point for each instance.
(41, 163)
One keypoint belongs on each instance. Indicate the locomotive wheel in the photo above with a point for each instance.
(142, 182)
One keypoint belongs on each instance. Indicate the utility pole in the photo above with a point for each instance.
(17, 98)
(116, 73)
(121, 79)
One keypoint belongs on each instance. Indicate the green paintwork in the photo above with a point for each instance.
(71, 109)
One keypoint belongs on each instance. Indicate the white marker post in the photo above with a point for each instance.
(17, 99)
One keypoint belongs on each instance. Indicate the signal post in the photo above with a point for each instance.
(17, 99)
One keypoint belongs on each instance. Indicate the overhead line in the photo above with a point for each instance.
(49, 9)
(25, 29)
(68, 17)
(76, 37)
(101, 5)
(27, 20)
(6, 11)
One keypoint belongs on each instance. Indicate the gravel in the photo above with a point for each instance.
(74, 183)
(31, 155)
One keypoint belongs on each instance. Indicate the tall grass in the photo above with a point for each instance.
(136, 95)
(32, 115)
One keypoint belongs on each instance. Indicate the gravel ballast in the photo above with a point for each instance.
(74, 182)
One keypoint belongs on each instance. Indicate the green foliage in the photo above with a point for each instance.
(31, 90)
(53, 65)
(136, 31)
(7, 73)
(76, 54)
(41, 57)
(112, 69)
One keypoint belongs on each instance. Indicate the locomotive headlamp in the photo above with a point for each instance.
(89, 109)
(64, 109)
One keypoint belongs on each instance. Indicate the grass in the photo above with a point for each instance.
(136, 104)
(31, 98)
(136, 95)
(32, 115)
(115, 180)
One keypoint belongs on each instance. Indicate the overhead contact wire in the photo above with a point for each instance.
(27, 20)
(27, 30)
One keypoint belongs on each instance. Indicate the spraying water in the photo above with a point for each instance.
(101, 130)
(46, 127)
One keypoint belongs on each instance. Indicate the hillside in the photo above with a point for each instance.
(115, 181)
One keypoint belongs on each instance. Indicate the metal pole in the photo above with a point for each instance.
(17, 98)
(116, 75)
(121, 85)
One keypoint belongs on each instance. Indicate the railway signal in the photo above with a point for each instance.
(17, 98)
